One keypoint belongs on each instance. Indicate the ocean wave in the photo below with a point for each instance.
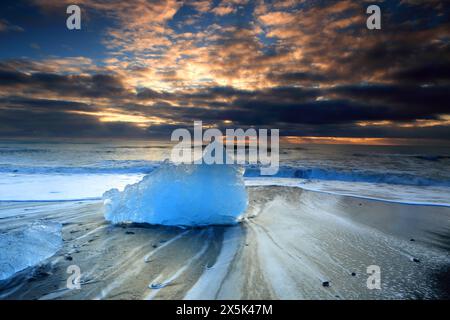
(351, 176)
(432, 157)
(103, 167)
(22, 150)
(295, 171)
(426, 157)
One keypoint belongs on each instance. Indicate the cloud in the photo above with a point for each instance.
(226, 7)
(436, 72)
(30, 123)
(5, 26)
(306, 67)
(62, 85)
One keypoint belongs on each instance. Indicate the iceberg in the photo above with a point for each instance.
(184, 195)
(28, 246)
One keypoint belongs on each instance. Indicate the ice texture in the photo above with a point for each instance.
(28, 246)
(185, 195)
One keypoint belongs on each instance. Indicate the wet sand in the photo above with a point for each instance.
(291, 243)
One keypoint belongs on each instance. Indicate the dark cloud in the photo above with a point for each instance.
(300, 77)
(412, 100)
(43, 104)
(435, 72)
(92, 86)
(28, 123)
(305, 67)
(344, 104)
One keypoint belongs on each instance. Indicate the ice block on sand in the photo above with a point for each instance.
(28, 246)
(185, 195)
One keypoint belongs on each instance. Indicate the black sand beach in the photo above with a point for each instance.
(292, 244)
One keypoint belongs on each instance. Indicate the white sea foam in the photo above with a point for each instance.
(57, 187)
(421, 195)
(70, 171)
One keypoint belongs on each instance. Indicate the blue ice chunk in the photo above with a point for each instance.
(185, 195)
(28, 246)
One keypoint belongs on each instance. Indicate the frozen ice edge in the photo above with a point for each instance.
(28, 246)
(181, 195)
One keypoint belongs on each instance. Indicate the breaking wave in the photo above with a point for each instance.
(316, 173)
(352, 176)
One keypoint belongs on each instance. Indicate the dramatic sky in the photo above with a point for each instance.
(140, 69)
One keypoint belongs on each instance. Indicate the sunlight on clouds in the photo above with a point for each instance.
(342, 140)
(104, 116)
(419, 123)
(243, 63)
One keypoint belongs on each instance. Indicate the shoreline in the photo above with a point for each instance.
(291, 242)
(303, 187)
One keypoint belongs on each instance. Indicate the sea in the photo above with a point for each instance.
(65, 170)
